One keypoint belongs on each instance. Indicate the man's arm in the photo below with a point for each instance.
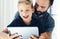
(49, 28)
(45, 35)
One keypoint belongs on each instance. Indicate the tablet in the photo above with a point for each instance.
(26, 32)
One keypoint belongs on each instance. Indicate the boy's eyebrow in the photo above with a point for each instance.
(21, 0)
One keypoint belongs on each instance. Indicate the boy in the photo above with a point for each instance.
(25, 17)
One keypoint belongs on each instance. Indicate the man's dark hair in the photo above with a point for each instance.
(51, 2)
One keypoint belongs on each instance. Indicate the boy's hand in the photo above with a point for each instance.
(6, 36)
(18, 37)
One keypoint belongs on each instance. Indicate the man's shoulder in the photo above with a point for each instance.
(46, 14)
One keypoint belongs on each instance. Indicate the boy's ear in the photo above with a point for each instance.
(49, 6)
(17, 5)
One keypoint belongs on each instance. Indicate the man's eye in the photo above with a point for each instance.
(21, 10)
(37, 5)
(42, 7)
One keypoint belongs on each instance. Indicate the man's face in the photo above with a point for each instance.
(25, 11)
(42, 5)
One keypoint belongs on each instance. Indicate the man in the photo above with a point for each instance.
(45, 18)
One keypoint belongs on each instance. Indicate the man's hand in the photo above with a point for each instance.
(34, 37)
(45, 35)
(6, 36)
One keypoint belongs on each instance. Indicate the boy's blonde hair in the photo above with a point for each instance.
(27, 2)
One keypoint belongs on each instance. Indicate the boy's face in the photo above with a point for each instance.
(42, 5)
(25, 11)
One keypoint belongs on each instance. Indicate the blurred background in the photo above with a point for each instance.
(8, 9)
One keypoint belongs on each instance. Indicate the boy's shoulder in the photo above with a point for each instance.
(15, 22)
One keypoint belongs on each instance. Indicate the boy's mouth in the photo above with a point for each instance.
(26, 16)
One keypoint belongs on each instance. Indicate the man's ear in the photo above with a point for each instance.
(33, 10)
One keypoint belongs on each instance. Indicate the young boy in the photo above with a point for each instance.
(25, 17)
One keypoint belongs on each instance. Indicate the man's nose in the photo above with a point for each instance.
(38, 8)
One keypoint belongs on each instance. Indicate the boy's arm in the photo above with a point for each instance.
(6, 36)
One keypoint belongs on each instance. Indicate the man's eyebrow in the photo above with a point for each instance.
(42, 6)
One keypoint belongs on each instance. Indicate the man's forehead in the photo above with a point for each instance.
(38, 1)
(42, 2)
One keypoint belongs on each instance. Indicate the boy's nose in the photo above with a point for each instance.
(25, 13)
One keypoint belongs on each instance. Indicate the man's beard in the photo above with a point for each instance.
(38, 13)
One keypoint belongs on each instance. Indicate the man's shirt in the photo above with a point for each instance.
(46, 20)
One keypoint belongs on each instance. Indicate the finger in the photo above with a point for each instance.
(19, 37)
(30, 38)
(14, 35)
(41, 37)
(34, 37)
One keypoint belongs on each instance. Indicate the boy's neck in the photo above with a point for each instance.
(27, 22)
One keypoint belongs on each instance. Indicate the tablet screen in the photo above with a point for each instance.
(26, 32)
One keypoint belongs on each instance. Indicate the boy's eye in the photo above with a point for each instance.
(21, 10)
(27, 10)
